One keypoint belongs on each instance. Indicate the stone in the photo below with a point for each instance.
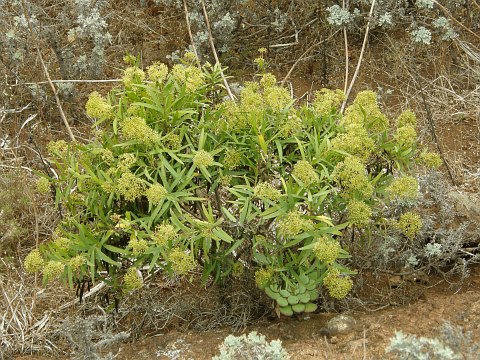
(339, 325)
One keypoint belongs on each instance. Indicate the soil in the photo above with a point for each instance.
(307, 337)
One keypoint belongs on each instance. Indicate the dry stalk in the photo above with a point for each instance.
(345, 37)
(187, 15)
(45, 70)
(212, 45)
(359, 63)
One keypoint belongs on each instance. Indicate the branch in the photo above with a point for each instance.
(345, 37)
(187, 19)
(65, 81)
(45, 70)
(357, 70)
(212, 45)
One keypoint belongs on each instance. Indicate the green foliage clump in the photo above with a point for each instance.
(182, 180)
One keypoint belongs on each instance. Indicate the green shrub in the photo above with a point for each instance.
(182, 179)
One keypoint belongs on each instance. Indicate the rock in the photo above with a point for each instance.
(339, 325)
(466, 205)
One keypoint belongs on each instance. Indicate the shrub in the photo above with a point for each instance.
(181, 179)
(254, 346)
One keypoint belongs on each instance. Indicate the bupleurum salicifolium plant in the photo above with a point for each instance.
(77, 34)
(183, 180)
(452, 343)
(253, 346)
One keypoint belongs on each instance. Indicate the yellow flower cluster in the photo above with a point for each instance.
(305, 172)
(132, 280)
(58, 148)
(365, 111)
(126, 161)
(406, 136)
(98, 108)
(407, 118)
(156, 193)
(409, 224)
(172, 141)
(276, 98)
(130, 187)
(251, 99)
(157, 72)
(266, 190)
(359, 213)
(53, 270)
(232, 159)
(43, 185)
(138, 246)
(338, 286)
(76, 262)
(132, 75)
(327, 250)
(164, 233)
(135, 110)
(62, 243)
(191, 76)
(355, 142)
(33, 261)
(431, 160)
(136, 128)
(326, 100)
(225, 180)
(203, 158)
(181, 262)
(291, 126)
(351, 176)
(403, 188)
(107, 156)
(293, 224)
(268, 80)
(263, 277)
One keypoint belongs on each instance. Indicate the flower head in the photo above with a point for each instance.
(338, 286)
(33, 261)
(327, 100)
(407, 118)
(263, 277)
(203, 158)
(232, 159)
(431, 160)
(404, 188)
(406, 136)
(136, 128)
(266, 190)
(62, 243)
(58, 148)
(43, 185)
(132, 280)
(156, 193)
(356, 141)
(181, 262)
(77, 261)
(365, 111)
(98, 108)
(133, 75)
(130, 187)
(409, 224)
(191, 76)
(327, 250)
(138, 246)
(53, 270)
(351, 176)
(293, 224)
(359, 213)
(276, 98)
(164, 233)
(157, 72)
(305, 172)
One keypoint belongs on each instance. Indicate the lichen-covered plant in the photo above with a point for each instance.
(253, 346)
(183, 180)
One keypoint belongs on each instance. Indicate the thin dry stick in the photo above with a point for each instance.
(45, 70)
(187, 19)
(357, 69)
(449, 14)
(303, 55)
(212, 45)
(345, 37)
(66, 81)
